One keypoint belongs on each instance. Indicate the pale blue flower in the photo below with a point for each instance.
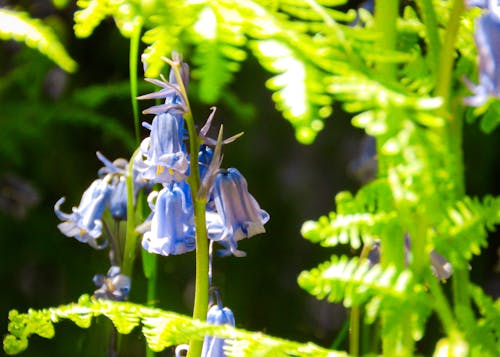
(240, 216)
(487, 35)
(84, 223)
(113, 286)
(171, 224)
(164, 157)
(217, 315)
(115, 172)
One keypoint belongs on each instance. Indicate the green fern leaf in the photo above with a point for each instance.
(161, 329)
(34, 33)
(356, 282)
(360, 219)
(298, 88)
(218, 52)
(464, 231)
(90, 15)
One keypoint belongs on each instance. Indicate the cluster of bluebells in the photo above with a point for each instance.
(487, 34)
(232, 213)
(162, 162)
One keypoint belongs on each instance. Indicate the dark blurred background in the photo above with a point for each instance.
(51, 124)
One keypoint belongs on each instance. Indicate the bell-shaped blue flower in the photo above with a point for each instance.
(240, 216)
(217, 315)
(84, 223)
(171, 226)
(164, 155)
(113, 286)
(115, 172)
(486, 36)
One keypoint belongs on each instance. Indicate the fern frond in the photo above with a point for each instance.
(487, 330)
(161, 329)
(360, 219)
(90, 15)
(356, 282)
(218, 40)
(464, 231)
(19, 26)
(298, 88)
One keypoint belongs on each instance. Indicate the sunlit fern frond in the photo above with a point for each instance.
(359, 219)
(356, 282)
(218, 52)
(160, 328)
(487, 330)
(19, 26)
(464, 231)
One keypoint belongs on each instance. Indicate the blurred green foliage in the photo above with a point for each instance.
(52, 122)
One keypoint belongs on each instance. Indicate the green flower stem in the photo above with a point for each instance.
(441, 306)
(131, 234)
(447, 54)
(201, 284)
(386, 15)
(133, 60)
(432, 33)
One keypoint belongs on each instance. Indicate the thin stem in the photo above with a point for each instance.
(201, 284)
(133, 60)
(432, 33)
(386, 15)
(441, 306)
(447, 55)
(131, 234)
(354, 322)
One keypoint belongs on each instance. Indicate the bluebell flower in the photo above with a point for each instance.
(240, 216)
(84, 223)
(486, 37)
(217, 315)
(113, 286)
(172, 223)
(164, 156)
(115, 172)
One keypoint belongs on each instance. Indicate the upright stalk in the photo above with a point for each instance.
(201, 284)
(133, 60)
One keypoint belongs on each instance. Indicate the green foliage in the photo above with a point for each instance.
(15, 25)
(161, 329)
(356, 282)
(359, 219)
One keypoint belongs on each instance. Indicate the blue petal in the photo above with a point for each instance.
(84, 223)
(172, 226)
(240, 214)
(165, 157)
(217, 315)
(486, 37)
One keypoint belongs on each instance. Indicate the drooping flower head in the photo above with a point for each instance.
(113, 286)
(217, 315)
(84, 223)
(240, 214)
(171, 225)
(164, 154)
(116, 173)
(487, 35)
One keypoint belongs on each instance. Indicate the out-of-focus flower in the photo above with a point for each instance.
(171, 226)
(113, 286)
(84, 223)
(441, 267)
(486, 36)
(164, 154)
(240, 214)
(217, 315)
(17, 195)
